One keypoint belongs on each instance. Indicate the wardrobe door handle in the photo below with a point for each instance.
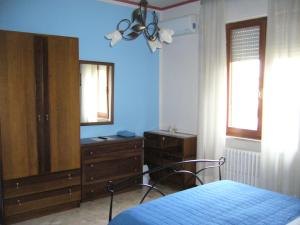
(46, 117)
(17, 185)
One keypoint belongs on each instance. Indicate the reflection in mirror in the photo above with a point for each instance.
(96, 92)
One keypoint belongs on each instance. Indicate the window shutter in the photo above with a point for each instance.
(245, 43)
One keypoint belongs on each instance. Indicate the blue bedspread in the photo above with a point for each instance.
(218, 203)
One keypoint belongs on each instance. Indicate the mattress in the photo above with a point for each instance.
(218, 203)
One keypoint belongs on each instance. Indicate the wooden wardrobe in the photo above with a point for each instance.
(40, 124)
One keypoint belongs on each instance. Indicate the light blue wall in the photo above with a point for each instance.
(136, 68)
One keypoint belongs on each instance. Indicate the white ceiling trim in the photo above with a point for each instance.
(155, 4)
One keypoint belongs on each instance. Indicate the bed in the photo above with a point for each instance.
(218, 203)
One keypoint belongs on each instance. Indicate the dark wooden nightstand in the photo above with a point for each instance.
(162, 148)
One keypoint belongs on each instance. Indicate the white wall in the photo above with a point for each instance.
(179, 76)
(179, 65)
(237, 10)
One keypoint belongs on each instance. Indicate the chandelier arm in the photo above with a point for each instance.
(155, 17)
(122, 31)
(130, 38)
(124, 21)
(154, 35)
(150, 38)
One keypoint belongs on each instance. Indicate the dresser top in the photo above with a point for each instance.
(172, 134)
(107, 139)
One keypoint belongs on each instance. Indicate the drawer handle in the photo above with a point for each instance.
(69, 176)
(17, 185)
(92, 165)
(135, 146)
(92, 191)
(70, 193)
(163, 139)
(91, 153)
(92, 178)
(19, 202)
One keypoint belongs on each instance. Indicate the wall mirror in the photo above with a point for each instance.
(96, 93)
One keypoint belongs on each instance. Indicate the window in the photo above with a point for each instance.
(96, 92)
(245, 70)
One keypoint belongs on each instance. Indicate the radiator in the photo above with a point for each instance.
(241, 166)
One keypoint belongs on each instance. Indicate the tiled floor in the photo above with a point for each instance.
(94, 212)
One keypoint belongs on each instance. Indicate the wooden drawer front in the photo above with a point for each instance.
(114, 156)
(95, 190)
(153, 156)
(97, 151)
(112, 168)
(37, 201)
(37, 184)
(160, 141)
(100, 189)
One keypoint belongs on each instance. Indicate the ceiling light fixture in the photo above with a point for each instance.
(131, 29)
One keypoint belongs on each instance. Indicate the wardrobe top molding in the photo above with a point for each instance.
(42, 35)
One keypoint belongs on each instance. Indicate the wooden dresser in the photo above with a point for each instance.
(114, 158)
(28, 197)
(162, 148)
(40, 125)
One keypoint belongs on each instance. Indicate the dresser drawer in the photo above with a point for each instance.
(160, 141)
(37, 184)
(92, 191)
(153, 156)
(97, 151)
(112, 168)
(20, 205)
(111, 156)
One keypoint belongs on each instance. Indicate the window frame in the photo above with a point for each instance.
(262, 23)
(112, 65)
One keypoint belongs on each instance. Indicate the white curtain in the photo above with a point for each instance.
(89, 92)
(212, 86)
(280, 165)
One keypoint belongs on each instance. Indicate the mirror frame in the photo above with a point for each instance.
(112, 91)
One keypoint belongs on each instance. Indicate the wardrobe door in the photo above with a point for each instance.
(17, 105)
(64, 111)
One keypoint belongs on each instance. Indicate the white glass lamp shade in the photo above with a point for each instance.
(165, 35)
(154, 45)
(115, 37)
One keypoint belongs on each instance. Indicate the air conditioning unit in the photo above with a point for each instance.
(181, 25)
